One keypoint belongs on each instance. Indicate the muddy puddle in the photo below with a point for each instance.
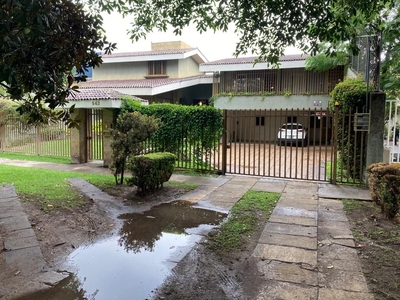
(133, 263)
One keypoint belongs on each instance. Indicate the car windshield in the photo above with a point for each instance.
(292, 126)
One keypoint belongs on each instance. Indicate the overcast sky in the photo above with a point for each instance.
(214, 46)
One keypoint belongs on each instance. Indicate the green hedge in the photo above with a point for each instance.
(350, 95)
(384, 183)
(150, 171)
(182, 125)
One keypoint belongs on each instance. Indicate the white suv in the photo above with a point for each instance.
(292, 133)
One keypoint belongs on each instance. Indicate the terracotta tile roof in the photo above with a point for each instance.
(137, 83)
(146, 53)
(98, 94)
(250, 60)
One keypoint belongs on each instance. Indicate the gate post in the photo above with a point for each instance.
(376, 128)
(224, 142)
(79, 138)
(335, 141)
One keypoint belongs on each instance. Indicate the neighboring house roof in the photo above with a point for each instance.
(248, 63)
(172, 54)
(99, 98)
(147, 87)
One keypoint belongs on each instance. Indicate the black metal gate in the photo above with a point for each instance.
(94, 134)
(296, 144)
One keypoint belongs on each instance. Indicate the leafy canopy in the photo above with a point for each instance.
(41, 42)
(265, 27)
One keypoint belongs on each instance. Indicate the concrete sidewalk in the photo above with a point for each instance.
(306, 250)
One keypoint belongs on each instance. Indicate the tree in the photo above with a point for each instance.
(42, 41)
(131, 130)
(265, 27)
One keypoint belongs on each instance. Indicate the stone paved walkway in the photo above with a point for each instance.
(306, 250)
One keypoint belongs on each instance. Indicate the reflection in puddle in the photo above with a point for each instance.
(132, 264)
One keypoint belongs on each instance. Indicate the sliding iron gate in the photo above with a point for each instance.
(252, 145)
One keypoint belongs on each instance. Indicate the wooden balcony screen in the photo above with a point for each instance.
(295, 81)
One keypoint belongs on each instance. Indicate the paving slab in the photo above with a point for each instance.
(288, 240)
(293, 211)
(10, 206)
(274, 270)
(343, 240)
(14, 244)
(295, 203)
(333, 294)
(269, 186)
(243, 181)
(7, 191)
(20, 234)
(332, 230)
(343, 192)
(201, 180)
(293, 220)
(16, 223)
(287, 291)
(8, 199)
(324, 263)
(197, 194)
(27, 260)
(331, 216)
(338, 252)
(330, 204)
(346, 280)
(290, 229)
(286, 254)
(51, 278)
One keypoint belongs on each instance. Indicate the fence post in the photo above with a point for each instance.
(3, 137)
(224, 142)
(335, 141)
(37, 139)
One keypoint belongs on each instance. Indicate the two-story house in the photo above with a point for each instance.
(168, 73)
(277, 95)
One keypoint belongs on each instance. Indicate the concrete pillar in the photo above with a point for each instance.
(108, 119)
(79, 149)
(376, 129)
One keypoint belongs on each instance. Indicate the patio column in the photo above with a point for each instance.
(79, 149)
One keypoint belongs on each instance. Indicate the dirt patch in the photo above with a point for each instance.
(207, 274)
(379, 241)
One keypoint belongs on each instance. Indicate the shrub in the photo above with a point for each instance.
(131, 130)
(384, 183)
(150, 171)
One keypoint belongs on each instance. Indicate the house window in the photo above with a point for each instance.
(157, 67)
(260, 121)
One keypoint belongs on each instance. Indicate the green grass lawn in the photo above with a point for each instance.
(40, 158)
(254, 206)
(50, 189)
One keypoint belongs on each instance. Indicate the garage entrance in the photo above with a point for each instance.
(295, 144)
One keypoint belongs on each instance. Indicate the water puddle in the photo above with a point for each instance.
(137, 260)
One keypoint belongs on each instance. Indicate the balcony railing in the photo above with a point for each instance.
(295, 81)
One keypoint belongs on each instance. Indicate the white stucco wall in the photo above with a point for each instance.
(188, 67)
(273, 102)
(125, 70)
